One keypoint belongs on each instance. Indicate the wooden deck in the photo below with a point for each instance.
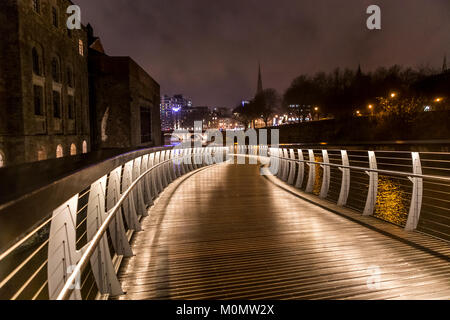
(226, 232)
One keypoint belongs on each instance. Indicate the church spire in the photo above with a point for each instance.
(359, 71)
(260, 84)
(444, 65)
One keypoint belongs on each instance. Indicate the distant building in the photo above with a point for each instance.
(172, 111)
(124, 101)
(166, 114)
(190, 115)
(218, 117)
(44, 100)
(299, 113)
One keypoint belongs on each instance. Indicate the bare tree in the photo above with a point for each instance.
(266, 104)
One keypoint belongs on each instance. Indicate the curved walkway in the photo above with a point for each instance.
(226, 232)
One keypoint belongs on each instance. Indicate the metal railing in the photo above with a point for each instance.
(409, 196)
(76, 252)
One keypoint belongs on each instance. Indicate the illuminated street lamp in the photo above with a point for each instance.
(371, 109)
(316, 109)
(393, 95)
(438, 99)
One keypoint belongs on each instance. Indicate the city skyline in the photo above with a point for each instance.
(211, 53)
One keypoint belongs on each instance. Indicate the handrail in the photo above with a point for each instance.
(92, 246)
(289, 173)
(384, 172)
(55, 193)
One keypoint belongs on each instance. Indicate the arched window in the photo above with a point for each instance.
(59, 151)
(85, 148)
(36, 62)
(2, 159)
(73, 149)
(56, 73)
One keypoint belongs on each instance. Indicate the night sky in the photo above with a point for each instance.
(209, 49)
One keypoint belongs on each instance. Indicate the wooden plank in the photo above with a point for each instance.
(229, 233)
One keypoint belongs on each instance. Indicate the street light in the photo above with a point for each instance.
(438, 99)
(316, 109)
(393, 95)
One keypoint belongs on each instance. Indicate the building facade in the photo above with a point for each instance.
(191, 115)
(124, 103)
(173, 111)
(44, 103)
(167, 114)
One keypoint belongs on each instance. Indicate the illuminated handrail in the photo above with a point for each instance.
(363, 169)
(144, 184)
(288, 164)
(93, 244)
(163, 168)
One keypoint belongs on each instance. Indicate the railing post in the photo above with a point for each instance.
(312, 172)
(139, 202)
(171, 164)
(168, 167)
(345, 184)
(117, 228)
(164, 181)
(101, 262)
(146, 183)
(286, 164)
(373, 186)
(182, 165)
(301, 169)
(203, 156)
(62, 253)
(189, 159)
(293, 167)
(326, 175)
(129, 208)
(417, 194)
(194, 159)
(178, 162)
(275, 162)
(280, 171)
(158, 177)
(153, 176)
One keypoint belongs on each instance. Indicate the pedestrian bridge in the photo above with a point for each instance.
(242, 222)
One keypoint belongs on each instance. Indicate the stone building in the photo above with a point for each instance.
(44, 99)
(124, 101)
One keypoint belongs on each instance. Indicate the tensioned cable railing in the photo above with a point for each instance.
(411, 189)
(93, 244)
(76, 252)
(86, 237)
